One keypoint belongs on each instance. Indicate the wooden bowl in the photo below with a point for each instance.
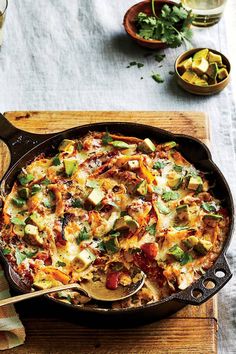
(201, 90)
(130, 22)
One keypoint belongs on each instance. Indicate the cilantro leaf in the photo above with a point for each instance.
(83, 235)
(76, 203)
(6, 251)
(186, 258)
(60, 264)
(106, 138)
(20, 257)
(79, 146)
(208, 207)
(157, 77)
(178, 168)
(159, 164)
(167, 196)
(56, 161)
(159, 57)
(111, 246)
(151, 229)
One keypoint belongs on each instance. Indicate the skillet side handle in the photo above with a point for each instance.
(208, 285)
(18, 141)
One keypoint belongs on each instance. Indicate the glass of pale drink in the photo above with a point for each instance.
(3, 8)
(206, 12)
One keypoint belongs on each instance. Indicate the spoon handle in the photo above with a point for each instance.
(14, 299)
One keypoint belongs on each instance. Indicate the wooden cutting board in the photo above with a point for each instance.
(191, 330)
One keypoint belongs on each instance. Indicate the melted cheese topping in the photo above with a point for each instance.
(113, 204)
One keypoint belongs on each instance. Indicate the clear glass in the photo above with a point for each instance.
(206, 12)
(3, 8)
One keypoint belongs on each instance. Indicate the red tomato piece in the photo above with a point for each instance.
(112, 280)
(150, 249)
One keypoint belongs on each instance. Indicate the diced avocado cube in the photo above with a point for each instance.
(191, 241)
(86, 257)
(214, 58)
(132, 165)
(190, 76)
(212, 219)
(32, 235)
(195, 183)
(176, 252)
(201, 82)
(96, 196)
(182, 212)
(212, 71)
(67, 146)
(203, 53)
(24, 193)
(38, 220)
(200, 66)
(35, 189)
(70, 166)
(25, 178)
(126, 222)
(132, 224)
(222, 74)
(169, 145)
(147, 146)
(174, 180)
(121, 223)
(142, 187)
(203, 246)
(120, 144)
(18, 202)
(185, 65)
(19, 230)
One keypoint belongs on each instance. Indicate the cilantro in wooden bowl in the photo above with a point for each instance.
(158, 24)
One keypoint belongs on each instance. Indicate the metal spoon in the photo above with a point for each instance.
(95, 290)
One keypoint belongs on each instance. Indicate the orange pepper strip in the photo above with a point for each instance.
(57, 274)
(146, 173)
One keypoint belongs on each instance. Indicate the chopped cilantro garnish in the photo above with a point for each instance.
(60, 264)
(159, 164)
(151, 229)
(56, 161)
(46, 182)
(186, 258)
(157, 77)
(159, 57)
(76, 203)
(83, 235)
(19, 202)
(106, 138)
(109, 246)
(178, 168)
(208, 207)
(79, 146)
(20, 257)
(6, 251)
(167, 196)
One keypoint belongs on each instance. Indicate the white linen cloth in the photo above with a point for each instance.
(72, 55)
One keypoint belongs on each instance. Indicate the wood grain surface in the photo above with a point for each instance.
(191, 330)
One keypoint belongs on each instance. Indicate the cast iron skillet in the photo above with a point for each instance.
(24, 146)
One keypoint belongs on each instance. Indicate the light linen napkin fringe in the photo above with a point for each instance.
(12, 332)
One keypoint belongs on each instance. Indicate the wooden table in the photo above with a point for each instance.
(191, 330)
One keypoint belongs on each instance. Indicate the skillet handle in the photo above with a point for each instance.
(18, 141)
(199, 292)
